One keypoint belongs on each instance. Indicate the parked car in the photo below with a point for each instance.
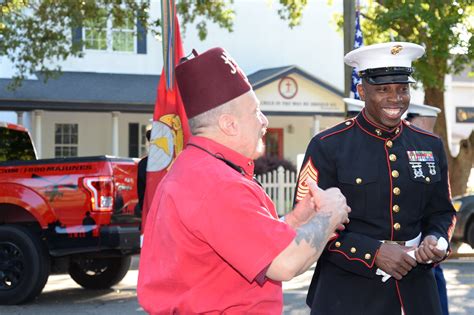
(464, 231)
(63, 215)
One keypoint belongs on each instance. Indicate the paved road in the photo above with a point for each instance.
(63, 296)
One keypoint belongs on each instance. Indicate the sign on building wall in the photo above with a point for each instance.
(293, 93)
(465, 114)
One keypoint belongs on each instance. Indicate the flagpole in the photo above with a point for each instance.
(170, 129)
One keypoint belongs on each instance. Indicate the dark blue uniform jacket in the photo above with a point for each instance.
(396, 183)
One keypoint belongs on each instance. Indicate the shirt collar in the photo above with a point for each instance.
(378, 131)
(225, 152)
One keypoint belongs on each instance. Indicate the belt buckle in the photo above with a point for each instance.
(402, 243)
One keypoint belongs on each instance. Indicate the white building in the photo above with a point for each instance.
(103, 102)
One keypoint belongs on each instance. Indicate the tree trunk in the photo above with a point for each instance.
(459, 166)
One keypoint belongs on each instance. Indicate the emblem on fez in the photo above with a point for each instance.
(229, 61)
(165, 143)
(287, 87)
(396, 49)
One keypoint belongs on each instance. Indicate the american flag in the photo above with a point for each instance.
(358, 42)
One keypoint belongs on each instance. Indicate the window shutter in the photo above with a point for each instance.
(141, 38)
(76, 35)
(133, 143)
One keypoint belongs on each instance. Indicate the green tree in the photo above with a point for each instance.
(445, 29)
(36, 34)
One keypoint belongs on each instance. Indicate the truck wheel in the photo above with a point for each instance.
(24, 265)
(99, 273)
(470, 233)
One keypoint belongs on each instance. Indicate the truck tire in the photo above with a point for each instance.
(470, 233)
(99, 273)
(24, 265)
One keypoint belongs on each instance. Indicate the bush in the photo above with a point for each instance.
(269, 163)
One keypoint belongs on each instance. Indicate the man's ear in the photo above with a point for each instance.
(361, 91)
(228, 124)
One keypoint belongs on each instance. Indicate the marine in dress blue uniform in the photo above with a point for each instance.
(395, 179)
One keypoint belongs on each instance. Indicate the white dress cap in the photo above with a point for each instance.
(354, 105)
(393, 54)
(423, 110)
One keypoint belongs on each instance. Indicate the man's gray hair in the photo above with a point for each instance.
(209, 119)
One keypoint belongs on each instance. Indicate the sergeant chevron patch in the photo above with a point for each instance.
(308, 171)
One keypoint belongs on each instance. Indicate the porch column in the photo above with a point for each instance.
(316, 124)
(115, 133)
(38, 117)
(19, 119)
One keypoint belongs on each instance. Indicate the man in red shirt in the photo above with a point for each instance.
(213, 242)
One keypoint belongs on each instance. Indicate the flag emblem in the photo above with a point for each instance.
(166, 142)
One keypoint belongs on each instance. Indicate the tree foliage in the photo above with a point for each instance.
(445, 29)
(36, 35)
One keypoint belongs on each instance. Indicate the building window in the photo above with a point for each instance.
(110, 34)
(65, 140)
(274, 142)
(123, 36)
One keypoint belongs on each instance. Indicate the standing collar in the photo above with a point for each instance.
(220, 150)
(377, 131)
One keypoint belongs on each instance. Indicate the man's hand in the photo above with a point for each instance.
(427, 252)
(330, 201)
(394, 260)
(303, 212)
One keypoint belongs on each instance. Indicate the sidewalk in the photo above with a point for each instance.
(459, 274)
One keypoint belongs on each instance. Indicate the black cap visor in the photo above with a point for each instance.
(388, 75)
(390, 79)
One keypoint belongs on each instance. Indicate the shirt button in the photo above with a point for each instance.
(389, 143)
(392, 157)
(397, 226)
(338, 244)
(367, 256)
(359, 180)
(395, 173)
(396, 208)
(427, 179)
(353, 250)
(396, 191)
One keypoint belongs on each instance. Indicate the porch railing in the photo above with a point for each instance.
(280, 186)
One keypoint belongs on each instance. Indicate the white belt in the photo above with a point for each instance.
(413, 242)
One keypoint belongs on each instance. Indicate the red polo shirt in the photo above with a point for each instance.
(210, 231)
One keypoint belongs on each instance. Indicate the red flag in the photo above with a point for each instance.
(170, 130)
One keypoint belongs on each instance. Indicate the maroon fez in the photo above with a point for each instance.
(209, 80)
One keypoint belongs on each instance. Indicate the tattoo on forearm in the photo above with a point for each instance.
(314, 232)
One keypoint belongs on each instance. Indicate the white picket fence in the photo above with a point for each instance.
(280, 186)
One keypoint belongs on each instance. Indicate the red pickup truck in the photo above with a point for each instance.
(63, 215)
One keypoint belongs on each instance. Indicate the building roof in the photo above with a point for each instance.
(83, 91)
(265, 76)
(104, 92)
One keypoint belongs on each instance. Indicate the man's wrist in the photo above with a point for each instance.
(290, 220)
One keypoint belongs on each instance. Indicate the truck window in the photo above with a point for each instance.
(15, 145)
